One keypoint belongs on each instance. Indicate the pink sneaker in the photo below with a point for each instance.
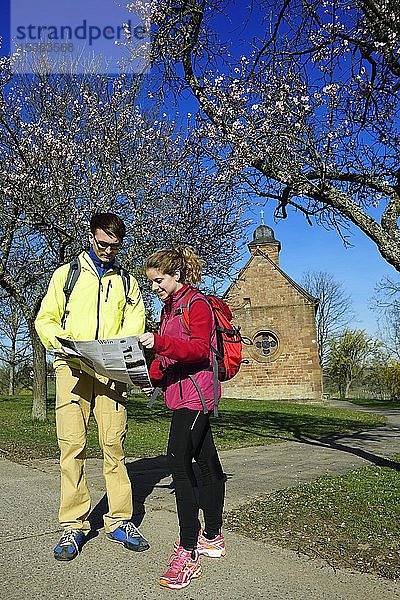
(182, 569)
(212, 548)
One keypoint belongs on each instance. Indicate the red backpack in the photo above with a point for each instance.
(228, 352)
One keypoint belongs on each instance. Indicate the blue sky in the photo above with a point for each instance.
(358, 267)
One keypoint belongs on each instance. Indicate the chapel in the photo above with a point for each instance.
(278, 317)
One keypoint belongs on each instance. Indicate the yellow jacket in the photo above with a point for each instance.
(97, 308)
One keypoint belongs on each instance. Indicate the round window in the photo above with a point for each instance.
(266, 343)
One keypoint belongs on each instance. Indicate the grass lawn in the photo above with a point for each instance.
(241, 423)
(351, 520)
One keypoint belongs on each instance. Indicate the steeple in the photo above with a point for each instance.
(264, 240)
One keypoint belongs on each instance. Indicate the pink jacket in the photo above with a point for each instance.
(184, 357)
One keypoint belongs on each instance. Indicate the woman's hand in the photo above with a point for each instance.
(147, 340)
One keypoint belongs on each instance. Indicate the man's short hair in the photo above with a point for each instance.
(108, 222)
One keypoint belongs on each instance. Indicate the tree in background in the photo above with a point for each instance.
(386, 303)
(15, 349)
(382, 375)
(347, 359)
(392, 377)
(334, 308)
(71, 145)
(300, 102)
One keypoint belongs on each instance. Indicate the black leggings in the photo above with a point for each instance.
(190, 438)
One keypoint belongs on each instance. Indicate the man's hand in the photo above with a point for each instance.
(147, 340)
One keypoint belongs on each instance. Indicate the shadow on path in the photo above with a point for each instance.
(333, 442)
(145, 474)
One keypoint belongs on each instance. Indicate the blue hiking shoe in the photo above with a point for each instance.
(69, 545)
(128, 535)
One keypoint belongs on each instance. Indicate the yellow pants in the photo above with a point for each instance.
(76, 393)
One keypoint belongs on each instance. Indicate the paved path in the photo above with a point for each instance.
(28, 508)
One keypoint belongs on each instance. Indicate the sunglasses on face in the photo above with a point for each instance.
(104, 245)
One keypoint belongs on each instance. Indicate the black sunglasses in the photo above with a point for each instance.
(105, 245)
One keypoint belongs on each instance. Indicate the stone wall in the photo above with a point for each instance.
(279, 317)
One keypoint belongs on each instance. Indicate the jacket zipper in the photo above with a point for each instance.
(96, 337)
(109, 285)
(180, 384)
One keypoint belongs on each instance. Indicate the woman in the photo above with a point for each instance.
(183, 368)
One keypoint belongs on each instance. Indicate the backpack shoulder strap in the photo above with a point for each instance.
(126, 281)
(184, 307)
(72, 277)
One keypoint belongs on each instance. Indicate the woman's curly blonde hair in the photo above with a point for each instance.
(182, 259)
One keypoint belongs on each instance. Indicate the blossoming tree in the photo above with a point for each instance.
(71, 145)
(300, 101)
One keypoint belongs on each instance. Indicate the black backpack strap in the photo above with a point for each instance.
(126, 281)
(72, 277)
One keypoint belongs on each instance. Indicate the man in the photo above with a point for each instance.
(98, 308)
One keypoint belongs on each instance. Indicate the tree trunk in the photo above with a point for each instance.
(39, 384)
(11, 372)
